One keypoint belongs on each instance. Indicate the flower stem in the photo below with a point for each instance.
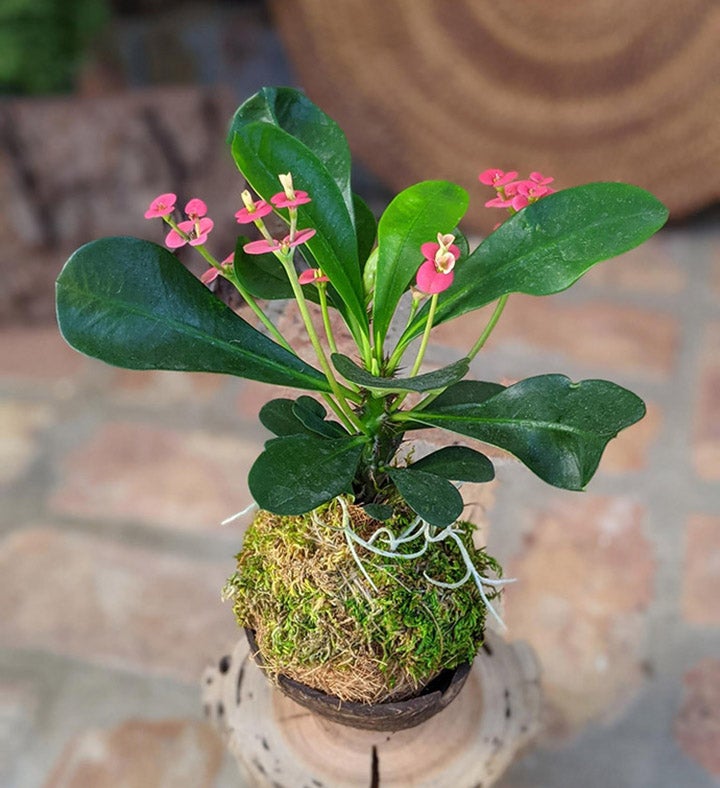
(339, 391)
(425, 336)
(249, 299)
(326, 317)
(489, 327)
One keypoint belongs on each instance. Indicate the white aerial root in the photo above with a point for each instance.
(252, 507)
(417, 529)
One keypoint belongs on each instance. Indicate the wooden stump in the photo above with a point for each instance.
(278, 743)
(607, 90)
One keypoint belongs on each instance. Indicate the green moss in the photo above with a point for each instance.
(299, 587)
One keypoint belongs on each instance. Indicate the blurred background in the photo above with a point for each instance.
(113, 483)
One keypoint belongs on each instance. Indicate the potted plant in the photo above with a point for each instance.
(358, 578)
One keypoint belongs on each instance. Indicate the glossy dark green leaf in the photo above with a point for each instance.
(558, 428)
(366, 228)
(263, 151)
(261, 274)
(379, 511)
(458, 463)
(311, 415)
(435, 499)
(299, 472)
(413, 218)
(547, 246)
(132, 304)
(278, 417)
(467, 391)
(436, 379)
(293, 112)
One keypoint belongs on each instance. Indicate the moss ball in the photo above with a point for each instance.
(367, 636)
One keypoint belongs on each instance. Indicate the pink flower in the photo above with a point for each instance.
(196, 232)
(538, 177)
(526, 192)
(281, 200)
(253, 209)
(432, 281)
(212, 273)
(289, 198)
(312, 275)
(496, 178)
(436, 272)
(195, 209)
(247, 216)
(263, 246)
(162, 205)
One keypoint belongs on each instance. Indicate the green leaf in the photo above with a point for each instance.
(459, 463)
(278, 417)
(435, 499)
(298, 473)
(467, 391)
(558, 428)
(263, 151)
(379, 511)
(291, 111)
(311, 415)
(132, 304)
(413, 218)
(366, 226)
(429, 381)
(264, 277)
(261, 274)
(547, 246)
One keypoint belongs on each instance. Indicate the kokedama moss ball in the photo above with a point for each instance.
(319, 621)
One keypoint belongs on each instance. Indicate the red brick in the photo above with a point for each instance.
(697, 725)
(114, 605)
(21, 426)
(184, 480)
(600, 334)
(706, 433)
(701, 578)
(630, 451)
(647, 269)
(37, 354)
(585, 577)
(141, 754)
(159, 388)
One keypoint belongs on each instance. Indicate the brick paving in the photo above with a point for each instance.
(112, 556)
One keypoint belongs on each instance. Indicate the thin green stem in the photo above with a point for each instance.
(421, 350)
(396, 355)
(230, 276)
(322, 292)
(425, 336)
(489, 327)
(339, 391)
(253, 304)
(474, 350)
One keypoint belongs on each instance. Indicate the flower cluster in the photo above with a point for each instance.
(512, 193)
(434, 275)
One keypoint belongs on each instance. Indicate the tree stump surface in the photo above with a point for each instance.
(608, 90)
(279, 744)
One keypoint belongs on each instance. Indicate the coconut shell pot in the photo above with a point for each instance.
(390, 716)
